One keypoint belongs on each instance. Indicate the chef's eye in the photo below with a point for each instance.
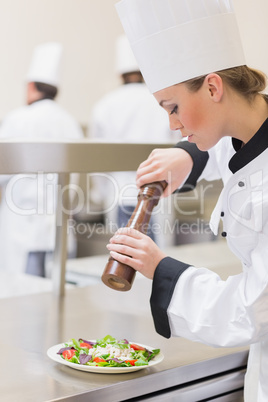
(174, 110)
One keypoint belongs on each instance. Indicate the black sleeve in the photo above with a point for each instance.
(199, 158)
(165, 278)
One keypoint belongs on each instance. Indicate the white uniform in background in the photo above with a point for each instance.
(131, 114)
(27, 211)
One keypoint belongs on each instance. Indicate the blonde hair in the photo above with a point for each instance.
(243, 79)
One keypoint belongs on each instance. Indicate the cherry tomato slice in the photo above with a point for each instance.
(132, 362)
(85, 345)
(136, 347)
(98, 360)
(68, 354)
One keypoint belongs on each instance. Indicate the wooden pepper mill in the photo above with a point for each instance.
(120, 276)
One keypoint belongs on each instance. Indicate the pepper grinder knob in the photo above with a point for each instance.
(117, 275)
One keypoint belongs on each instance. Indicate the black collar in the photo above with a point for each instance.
(253, 148)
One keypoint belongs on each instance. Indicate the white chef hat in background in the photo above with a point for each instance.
(176, 40)
(125, 59)
(46, 63)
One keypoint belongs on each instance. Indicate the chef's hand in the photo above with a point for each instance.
(172, 165)
(135, 249)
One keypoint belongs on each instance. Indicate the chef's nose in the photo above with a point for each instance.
(175, 124)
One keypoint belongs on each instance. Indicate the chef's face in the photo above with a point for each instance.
(195, 114)
(32, 94)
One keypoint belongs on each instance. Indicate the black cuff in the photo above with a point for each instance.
(199, 158)
(166, 276)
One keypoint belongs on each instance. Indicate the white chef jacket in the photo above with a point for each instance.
(129, 114)
(194, 302)
(27, 209)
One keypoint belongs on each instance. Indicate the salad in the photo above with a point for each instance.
(106, 352)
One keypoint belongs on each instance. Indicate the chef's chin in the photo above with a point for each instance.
(201, 147)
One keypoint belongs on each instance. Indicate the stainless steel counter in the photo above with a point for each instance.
(31, 324)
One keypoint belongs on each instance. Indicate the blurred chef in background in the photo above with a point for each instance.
(130, 114)
(27, 210)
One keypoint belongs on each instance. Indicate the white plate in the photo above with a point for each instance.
(52, 353)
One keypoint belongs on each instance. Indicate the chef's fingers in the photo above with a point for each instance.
(123, 240)
(172, 165)
(130, 232)
(130, 242)
(134, 258)
(127, 236)
(151, 173)
(145, 163)
(124, 259)
(137, 250)
(150, 158)
(121, 249)
(157, 168)
(143, 259)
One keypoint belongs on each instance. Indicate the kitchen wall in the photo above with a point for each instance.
(88, 29)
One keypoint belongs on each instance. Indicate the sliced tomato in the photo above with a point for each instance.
(98, 360)
(136, 347)
(68, 354)
(132, 362)
(85, 345)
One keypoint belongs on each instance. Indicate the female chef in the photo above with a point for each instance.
(191, 57)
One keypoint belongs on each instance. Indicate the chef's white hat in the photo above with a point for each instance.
(125, 59)
(176, 40)
(45, 65)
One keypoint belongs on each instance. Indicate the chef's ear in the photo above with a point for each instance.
(215, 86)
